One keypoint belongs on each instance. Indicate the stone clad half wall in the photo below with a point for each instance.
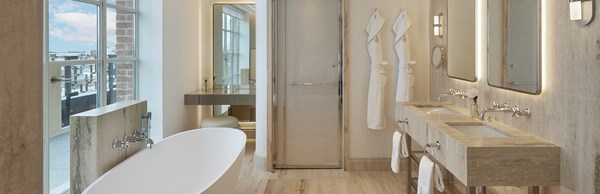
(92, 135)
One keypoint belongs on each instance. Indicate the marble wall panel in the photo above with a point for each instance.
(92, 136)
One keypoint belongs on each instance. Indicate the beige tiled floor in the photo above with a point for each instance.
(316, 181)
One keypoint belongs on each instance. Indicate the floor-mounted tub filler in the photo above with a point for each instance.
(204, 160)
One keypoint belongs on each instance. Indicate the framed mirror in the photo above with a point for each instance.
(461, 40)
(234, 40)
(514, 45)
(234, 44)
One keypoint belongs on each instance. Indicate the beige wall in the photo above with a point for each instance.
(21, 25)
(169, 63)
(567, 111)
(364, 142)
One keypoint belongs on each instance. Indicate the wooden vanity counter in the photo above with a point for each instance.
(520, 159)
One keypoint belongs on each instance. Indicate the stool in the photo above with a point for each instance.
(226, 121)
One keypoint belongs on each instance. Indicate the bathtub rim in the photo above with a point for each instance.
(206, 187)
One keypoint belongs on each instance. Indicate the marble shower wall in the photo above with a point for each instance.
(92, 135)
(567, 112)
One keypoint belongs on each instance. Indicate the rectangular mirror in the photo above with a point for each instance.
(234, 44)
(514, 45)
(233, 41)
(461, 40)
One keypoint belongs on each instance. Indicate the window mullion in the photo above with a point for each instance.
(102, 95)
(136, 64)
(93, 2)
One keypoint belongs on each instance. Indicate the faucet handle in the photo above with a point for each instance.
(496, 105)
(516, 112)
(124, 143)
(526, 113)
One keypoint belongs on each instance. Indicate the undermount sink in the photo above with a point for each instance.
(476, 130)
(436, 110)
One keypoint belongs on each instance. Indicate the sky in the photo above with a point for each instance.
(73, 26)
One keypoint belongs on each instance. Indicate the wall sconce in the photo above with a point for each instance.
(437, 25)
(581, 11)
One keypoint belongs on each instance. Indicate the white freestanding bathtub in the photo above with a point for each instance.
(204, 160)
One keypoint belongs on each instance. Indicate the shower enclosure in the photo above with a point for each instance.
(307, 89)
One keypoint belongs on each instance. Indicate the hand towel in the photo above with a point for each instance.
(429, 175)
(396, 149)
(424, 181)
(404, 146)
(438, 179)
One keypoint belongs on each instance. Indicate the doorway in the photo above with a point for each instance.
(307, 90)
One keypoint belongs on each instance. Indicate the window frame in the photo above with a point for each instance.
(102, 56)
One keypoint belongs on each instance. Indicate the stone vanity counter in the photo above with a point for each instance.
(513, 158)
(221, 97)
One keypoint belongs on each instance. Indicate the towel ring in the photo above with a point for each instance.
(438, 56)
(402, 122)
(399, 122)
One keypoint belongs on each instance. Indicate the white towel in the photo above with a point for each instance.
(438, 179)
(399, 150)
(396, 146)
(428, 172)
(404, 146)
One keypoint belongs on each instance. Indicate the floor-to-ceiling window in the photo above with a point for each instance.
(91, 52)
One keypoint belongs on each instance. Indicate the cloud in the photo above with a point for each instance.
(75, 27)
(63, 7)
(76, 22)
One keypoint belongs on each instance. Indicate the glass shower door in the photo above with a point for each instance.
(308, 132)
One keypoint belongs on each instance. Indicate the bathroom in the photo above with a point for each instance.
(174, 57)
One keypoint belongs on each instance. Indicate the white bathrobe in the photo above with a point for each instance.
(377, 81)
(406, 77)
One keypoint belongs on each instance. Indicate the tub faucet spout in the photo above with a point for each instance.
(149, 142)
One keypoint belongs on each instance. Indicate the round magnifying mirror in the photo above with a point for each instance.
(437, 56)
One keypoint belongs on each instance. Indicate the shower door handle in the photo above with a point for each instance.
(312, 84)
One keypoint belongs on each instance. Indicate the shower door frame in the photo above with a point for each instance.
(281, 102)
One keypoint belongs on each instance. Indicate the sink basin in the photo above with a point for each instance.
(476, 130)
(436, 110)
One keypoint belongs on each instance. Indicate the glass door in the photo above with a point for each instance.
(308, 89)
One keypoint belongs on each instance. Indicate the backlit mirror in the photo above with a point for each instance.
(514, 45)
(233, 43)
(461, 39)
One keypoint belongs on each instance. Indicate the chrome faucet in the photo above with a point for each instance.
(144, 133)
(121, 143)
(138, 135)
(516, 112)
(452, 92)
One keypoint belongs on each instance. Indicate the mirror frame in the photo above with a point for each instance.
(212, 35)
(448, 51)
(539, 51)
(442, 58)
